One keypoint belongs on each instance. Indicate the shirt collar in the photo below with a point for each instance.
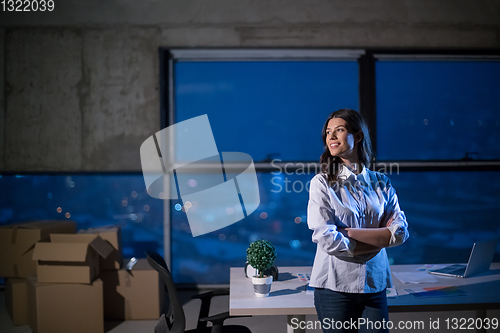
(345, 173)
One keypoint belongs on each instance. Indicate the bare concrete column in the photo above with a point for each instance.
(42, 114)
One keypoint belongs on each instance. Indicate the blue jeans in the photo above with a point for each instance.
(349, 312)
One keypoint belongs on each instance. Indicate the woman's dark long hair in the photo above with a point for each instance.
(330, 164)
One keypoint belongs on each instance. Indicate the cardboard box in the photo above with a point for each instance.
(16, 300)
(70, 258)
(133, 295)
(17, 241)
(113, 236)
(63, 308)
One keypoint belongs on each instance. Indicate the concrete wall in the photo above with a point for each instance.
(79, 85)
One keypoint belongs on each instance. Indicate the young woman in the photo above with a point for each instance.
(354, 215)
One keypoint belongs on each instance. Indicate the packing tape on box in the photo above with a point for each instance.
(128, 310)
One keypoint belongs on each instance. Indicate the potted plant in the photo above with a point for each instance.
(261, 255)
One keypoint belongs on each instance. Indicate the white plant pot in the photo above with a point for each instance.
(262, 286)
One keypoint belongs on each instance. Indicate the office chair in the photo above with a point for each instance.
(174, 321)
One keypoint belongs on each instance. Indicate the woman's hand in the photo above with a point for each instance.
(390, 221)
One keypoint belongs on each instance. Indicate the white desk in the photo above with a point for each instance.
(288, 295)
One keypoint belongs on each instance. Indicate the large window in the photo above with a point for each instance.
(434, 122)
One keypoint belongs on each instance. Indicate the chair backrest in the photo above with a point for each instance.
(175, 318)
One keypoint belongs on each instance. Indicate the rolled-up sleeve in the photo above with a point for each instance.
(399, 226)
(321, 220)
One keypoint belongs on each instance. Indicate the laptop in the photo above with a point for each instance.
(479, 261)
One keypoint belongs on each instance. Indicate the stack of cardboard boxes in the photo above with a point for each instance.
(63, 281)
(17, 243)
(135, 294)
(67, 293)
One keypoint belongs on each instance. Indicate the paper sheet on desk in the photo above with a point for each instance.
(415, 277)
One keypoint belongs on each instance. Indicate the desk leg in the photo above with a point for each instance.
(291, 324)
(481, 314)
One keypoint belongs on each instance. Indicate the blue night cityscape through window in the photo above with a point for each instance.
(91, 200)
(276, 110)
(441, 208)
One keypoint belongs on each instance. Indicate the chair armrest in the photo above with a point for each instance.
(206, 299)
(216, 319)
(212, 293)
(219, 318)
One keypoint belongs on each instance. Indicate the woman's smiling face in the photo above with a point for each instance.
(338, 140)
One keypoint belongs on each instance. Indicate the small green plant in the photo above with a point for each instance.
(261, 255)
